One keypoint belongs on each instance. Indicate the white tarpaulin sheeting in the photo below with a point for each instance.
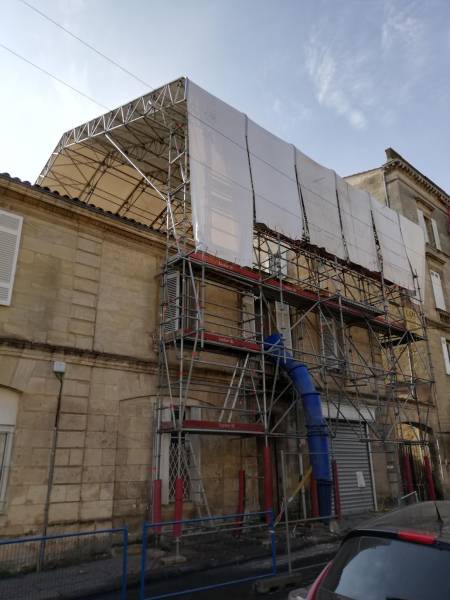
(396, 267)
(414, 240)
(357, 225)
(221, 193)
(277, 201)
(318, 188)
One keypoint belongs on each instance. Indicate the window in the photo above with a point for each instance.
(10, 231)
(330, 333)
(446, 354)
(438, 291)
(8, 413)
(283, 320)
(430, 230)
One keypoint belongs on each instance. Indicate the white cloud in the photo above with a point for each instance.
(337, 83)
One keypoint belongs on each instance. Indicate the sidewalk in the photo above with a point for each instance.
(214, 552)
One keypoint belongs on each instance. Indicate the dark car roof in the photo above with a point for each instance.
(424, 517)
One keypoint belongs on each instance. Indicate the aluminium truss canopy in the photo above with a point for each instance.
(180, 144)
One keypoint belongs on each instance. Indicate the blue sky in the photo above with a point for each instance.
(341, 79)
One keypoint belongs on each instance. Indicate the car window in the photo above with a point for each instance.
(376, 568)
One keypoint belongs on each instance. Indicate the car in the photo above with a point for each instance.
(402, 555)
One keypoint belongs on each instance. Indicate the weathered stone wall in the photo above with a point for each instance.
(86, 292)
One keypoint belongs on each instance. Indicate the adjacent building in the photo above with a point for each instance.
(405, 189)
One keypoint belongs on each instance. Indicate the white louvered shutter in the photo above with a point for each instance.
(438, 292)
(10, 231)
(437, 239)
(283, 319)
(422, 224)
(172, 300)
(445, 352)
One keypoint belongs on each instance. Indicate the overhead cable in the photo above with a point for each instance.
(90, 46)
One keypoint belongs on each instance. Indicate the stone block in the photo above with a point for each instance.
(98, 509)
(79, 327)
(88, 245)
(73, 404)
(73, 387)
(98, 474)
(90, 491)
(138, 456)
(96, 423)
(88, 259)
(93, 457)
(85, 285)
(86, 272)
(67, 475)
(71, 439)
(40, 457)
(63, 511)
(107, 491)
(72, 422)
(108, 457)
(100, 439)
(76, 457)
(78, 372)
(84, 313)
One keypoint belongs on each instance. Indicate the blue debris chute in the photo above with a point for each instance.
(316, 426)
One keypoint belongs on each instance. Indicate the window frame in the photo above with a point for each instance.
(6, 465)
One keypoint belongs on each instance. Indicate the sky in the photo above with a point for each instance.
(340, 79)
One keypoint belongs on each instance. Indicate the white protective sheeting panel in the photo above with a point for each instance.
(357, 225)
(221, 192)
(277, 201)
(318, 188)
(414, 240)
(395, 261)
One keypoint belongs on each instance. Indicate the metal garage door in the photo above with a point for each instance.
(354, 468)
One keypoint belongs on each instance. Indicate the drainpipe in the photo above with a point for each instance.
(59, 368)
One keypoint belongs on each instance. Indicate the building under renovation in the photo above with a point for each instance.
(231, 318)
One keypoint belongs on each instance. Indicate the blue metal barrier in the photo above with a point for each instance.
(237, 518)
(53, 562)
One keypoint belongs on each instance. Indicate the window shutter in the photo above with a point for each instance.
(172, 301)
(10, 231)
(445, 352)
(437, 239)
(422, 224)
(283, 320)
(248, 317)
(437, 290)
(330, 341)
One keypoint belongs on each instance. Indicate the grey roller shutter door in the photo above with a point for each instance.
(354, 467)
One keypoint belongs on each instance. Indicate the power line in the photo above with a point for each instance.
(90, 46)
(71, 87)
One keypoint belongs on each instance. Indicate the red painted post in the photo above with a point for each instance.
(337, 494)
(429, 475)
(241, 497)
(156, 516)
(407, 474)
(268, 492)
(178, 509)
(314, 498)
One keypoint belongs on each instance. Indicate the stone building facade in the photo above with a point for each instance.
(405, 189)
(85, 293)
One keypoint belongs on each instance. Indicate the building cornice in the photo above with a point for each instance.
(396, 161)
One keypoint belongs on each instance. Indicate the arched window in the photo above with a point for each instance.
(8, 413)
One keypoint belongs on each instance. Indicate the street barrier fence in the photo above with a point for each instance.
(60, 565)
(223, 541)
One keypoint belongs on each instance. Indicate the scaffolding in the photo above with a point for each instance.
(362, 338)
